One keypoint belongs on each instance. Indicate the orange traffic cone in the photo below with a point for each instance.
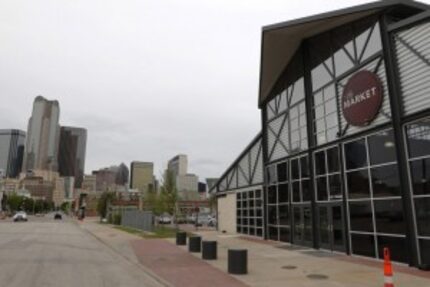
(388, 269)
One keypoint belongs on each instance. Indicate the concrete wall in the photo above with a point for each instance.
(227, 213)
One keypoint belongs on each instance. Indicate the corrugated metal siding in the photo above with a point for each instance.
(258, 175)
(410, 45)
(247, 163)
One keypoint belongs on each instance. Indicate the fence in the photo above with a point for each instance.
(134, 218)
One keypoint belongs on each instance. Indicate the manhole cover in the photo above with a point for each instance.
(289, 267)
(317, 276)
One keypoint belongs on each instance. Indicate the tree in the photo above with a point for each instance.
(14, 202)
(169, 194)
(152, 201)
(103, 202)
(27, 204)
(65, 207)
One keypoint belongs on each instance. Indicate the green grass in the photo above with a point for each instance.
(158, 232)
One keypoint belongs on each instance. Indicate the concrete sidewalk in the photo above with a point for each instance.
(275, 264)
(169, 264)
(179, 267)
(269, 263)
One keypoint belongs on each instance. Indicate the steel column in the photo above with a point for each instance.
(395, 95)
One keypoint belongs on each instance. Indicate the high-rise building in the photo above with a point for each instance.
(122, 173)
(43, 136)
(186, 183)
(105, 179)
(11, 152)
(89, 183)
(178, 165)
(142, 175)
(71, 156)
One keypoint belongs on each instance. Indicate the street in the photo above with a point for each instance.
(43, 253)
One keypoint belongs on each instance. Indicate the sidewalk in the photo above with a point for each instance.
(169, 264)
(276, 264)
(269, 263)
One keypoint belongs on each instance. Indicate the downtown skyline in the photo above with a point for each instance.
(139, 97)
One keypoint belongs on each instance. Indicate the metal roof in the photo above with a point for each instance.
(280, 41)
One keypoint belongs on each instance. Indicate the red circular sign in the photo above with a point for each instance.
(362, 98)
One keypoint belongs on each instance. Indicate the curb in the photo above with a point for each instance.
(150, 273)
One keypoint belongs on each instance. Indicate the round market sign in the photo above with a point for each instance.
(362, 98)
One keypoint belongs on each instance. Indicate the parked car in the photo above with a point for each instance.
(165, 219)
(212, 221)
(179, 219)
(58, 216)
(191, 218)
(203, 219)
(20, 216)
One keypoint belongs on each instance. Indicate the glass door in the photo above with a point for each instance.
(330, 226)
(302, 225)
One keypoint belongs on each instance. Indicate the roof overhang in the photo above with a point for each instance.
(281, 41)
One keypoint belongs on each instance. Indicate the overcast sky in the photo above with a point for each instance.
(147, 79)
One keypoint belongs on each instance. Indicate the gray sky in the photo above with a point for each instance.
(147, 79)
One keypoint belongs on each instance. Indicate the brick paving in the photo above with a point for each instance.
(179, 267)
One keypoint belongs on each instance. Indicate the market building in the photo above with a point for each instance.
(342, 162)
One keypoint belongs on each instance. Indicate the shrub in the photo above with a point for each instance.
(117, 219)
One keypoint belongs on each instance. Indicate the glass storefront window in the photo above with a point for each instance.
(250, 214)
(283, 193)
(282, 172)
(355, 154)
(283, 215)
(358, 184)
(382, 148)
(420, 172)
(322, 193)
(295, 172)
(335, 187)
(393, 243)
(333, 159)
(320, 163)
(389, 216)
(385, 180)
(418, 138)
(360, 213)
(363, 244)
(271, 194)
(422, 209)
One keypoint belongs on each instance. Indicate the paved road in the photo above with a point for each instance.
(44, 253)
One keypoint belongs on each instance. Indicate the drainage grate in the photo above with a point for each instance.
(289, 267)
(317, 276)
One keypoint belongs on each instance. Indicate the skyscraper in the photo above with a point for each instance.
(186, 183)
(43, 135)
(122, 174)
(178, 165)
(71, 156)
(142, 175)
(11, 152)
